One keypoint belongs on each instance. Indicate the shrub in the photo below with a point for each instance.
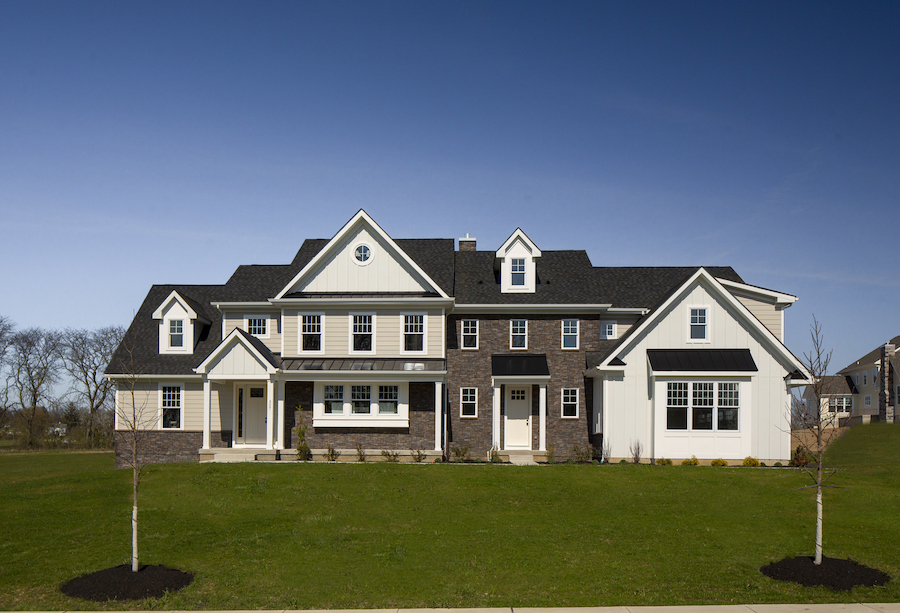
(583, 455)
(778, 464)
(551, 454)
(332, 454)
(390, 456)
(663, 462)
(360, 452)
(636, 449)
(750, 461)
(460, 453)
(303, 452)
(798, 458)
(623, 461)
(418, 455)
(763, 464)
(691, 461)
(718, 462)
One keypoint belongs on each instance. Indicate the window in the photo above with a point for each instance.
(874, 376)
(729, 402)
(840, 404)
(171, 406)
(607, 329)
(176, 333)
(362, 254)
(240, 413)
(570, 334)
(709, 406)
(388, 396)
(518, 334)
(468, 402)
(867, 401)
(414, 333)
(362, 333)
(257, 325)
(361, 398)
(699, 329)
(470, 333)
(518, 271)
(857, 378)
(702, 410)
(334, 399)
(311, 333)
(570, 402)
(866, 378)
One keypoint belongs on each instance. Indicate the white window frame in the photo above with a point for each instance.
(524, 347)
(514, 270)
(563, 334)
(462, 401)
(563, 403)
(717, 404)
(865, 377)
(387, 399)
(463, 333)
(374, 418)
(261, 316)
(706, 325)
(359, 246)
(424, 333)
(867, 401)
(300, 348)
(180, 322)
(608, 330)
(362, 351)
(326, 399)
(161, 402)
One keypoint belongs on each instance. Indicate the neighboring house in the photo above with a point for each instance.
(875, 385)
(413, 345)
(835, 402)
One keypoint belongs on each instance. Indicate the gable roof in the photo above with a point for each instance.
(647, 287)
(870, 358)
(250, 342)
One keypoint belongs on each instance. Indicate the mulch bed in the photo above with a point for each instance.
(120, 583)
(833, 573)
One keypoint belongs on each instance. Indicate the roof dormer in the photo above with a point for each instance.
(516, 261)
(179, 324)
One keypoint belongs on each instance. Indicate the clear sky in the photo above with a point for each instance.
(170, 142)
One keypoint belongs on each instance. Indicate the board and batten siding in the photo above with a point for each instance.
(337, 323)
(635, 402)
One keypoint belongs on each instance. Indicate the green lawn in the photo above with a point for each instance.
(305, 536)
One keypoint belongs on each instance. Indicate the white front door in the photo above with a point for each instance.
(250, 415)
(518, 418)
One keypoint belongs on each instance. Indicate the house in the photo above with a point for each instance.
(872, 385)
(835, 402)
(421, 347)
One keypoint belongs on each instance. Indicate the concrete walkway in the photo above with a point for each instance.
(890, 607)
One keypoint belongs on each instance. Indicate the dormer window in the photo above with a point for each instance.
(518, 271)
(176, 333)
(517, 262)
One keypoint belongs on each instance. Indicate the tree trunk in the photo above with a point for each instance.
(134, 524)
(819, 518)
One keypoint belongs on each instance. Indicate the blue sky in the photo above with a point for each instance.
(169, 142)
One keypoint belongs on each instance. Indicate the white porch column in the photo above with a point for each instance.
(438, 402)
(542, 416)
(207, 404)
(495, 413)
(279, 415)
(270, 413)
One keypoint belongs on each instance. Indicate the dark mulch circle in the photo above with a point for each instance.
(833, 573)
(119, 583)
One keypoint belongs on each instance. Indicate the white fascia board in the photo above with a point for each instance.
(191, 313)
(531, 308)
(598, 371)
(236, 334)
(629, 311)
(360, 422)
(241, 305)
(361, 215)
(779, 297)
(703, 374)
(726, 295)
(238, 377)
(143, 377)
(518, 234)
(392, 376)
(520, 379)
(362, 302)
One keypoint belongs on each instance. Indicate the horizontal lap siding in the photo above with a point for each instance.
(765, 312)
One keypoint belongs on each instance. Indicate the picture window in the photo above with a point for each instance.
(703, 406)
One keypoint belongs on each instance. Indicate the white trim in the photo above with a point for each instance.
(403, 316)
(615, 329)
(525, 347)
(461, 414)
(562, 334)
(181, 395)
(361, 217)
(707, 323)
(192, 314)
(563, 309)
(542, 417)
(262, 316)
(350, 349)
(123, 377)
(321, 316)
(781, 299)
(207, 417)
(462, 334)
(372, 419)
(438, 412)
(562, 403)
(214, 354)
(371, 253)
(495, 415)
(509, 389)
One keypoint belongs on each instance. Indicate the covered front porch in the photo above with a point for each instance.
(516, 379)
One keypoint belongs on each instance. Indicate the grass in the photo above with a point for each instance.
(309, 536)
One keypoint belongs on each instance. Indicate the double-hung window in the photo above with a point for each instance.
(702, 406)
(334, 399)
(570, 402)
(363, 332)
(176, 333)
(865, 377)
(257, 325)
(388, 397)
(867, 401)
(468, 402)
(570, 334)
(699, 324)
(518, 334)
(170, 403)
(311, 333)
(470, 334)
(413, 333)
(361, 398)
(607, 330)
(518, 271)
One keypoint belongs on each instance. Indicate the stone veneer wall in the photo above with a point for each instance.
(419, 435)
(472, 368)
(158, 446)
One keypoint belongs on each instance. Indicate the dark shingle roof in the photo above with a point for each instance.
(871, 357)
(647, 287)
(563, 277)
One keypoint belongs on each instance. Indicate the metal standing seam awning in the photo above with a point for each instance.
(701, 360)
(519, 365)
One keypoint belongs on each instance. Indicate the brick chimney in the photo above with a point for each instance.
(467, 243)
